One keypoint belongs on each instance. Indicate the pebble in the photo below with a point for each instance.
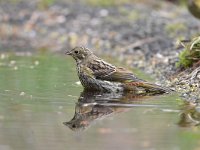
(103, 12)
(36, 62)
(3, 56)
(22, 94)
(15, 68)
(12, 62)
(78, 83)
(31, 67)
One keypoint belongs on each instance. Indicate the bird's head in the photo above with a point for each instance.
(79, 53)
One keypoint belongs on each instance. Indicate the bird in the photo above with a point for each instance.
(95, 74)
(194, 8)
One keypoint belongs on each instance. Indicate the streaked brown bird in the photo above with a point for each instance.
(194, 7)
(98, 75)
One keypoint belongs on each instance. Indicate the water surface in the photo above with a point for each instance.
(42, 107)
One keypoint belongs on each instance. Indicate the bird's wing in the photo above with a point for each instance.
(124, 75)
(105, 71)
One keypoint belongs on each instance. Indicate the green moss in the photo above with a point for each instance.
(174, 28)
(101, 2)
(183, 61)
(131, 15)
(44, 4)
(190, 54)
(107, 3)
(134, 15)
(123, 11)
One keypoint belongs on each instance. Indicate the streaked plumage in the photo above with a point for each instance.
(96, 74)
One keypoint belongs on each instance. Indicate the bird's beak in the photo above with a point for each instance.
(67, 53)
(66, 123)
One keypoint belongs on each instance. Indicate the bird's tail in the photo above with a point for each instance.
(149, 87)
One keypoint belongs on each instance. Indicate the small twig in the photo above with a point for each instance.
(192, 58)
(195, 42)
(184, 42)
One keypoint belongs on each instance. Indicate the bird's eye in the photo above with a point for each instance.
(73, 126)
(76, 52)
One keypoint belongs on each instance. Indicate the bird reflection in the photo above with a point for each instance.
(190, 115)
(94, 106)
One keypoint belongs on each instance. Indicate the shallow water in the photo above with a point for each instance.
(42, 107)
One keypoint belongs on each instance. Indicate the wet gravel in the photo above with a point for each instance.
(139, 35)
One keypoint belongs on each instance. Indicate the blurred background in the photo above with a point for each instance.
(57, 25)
